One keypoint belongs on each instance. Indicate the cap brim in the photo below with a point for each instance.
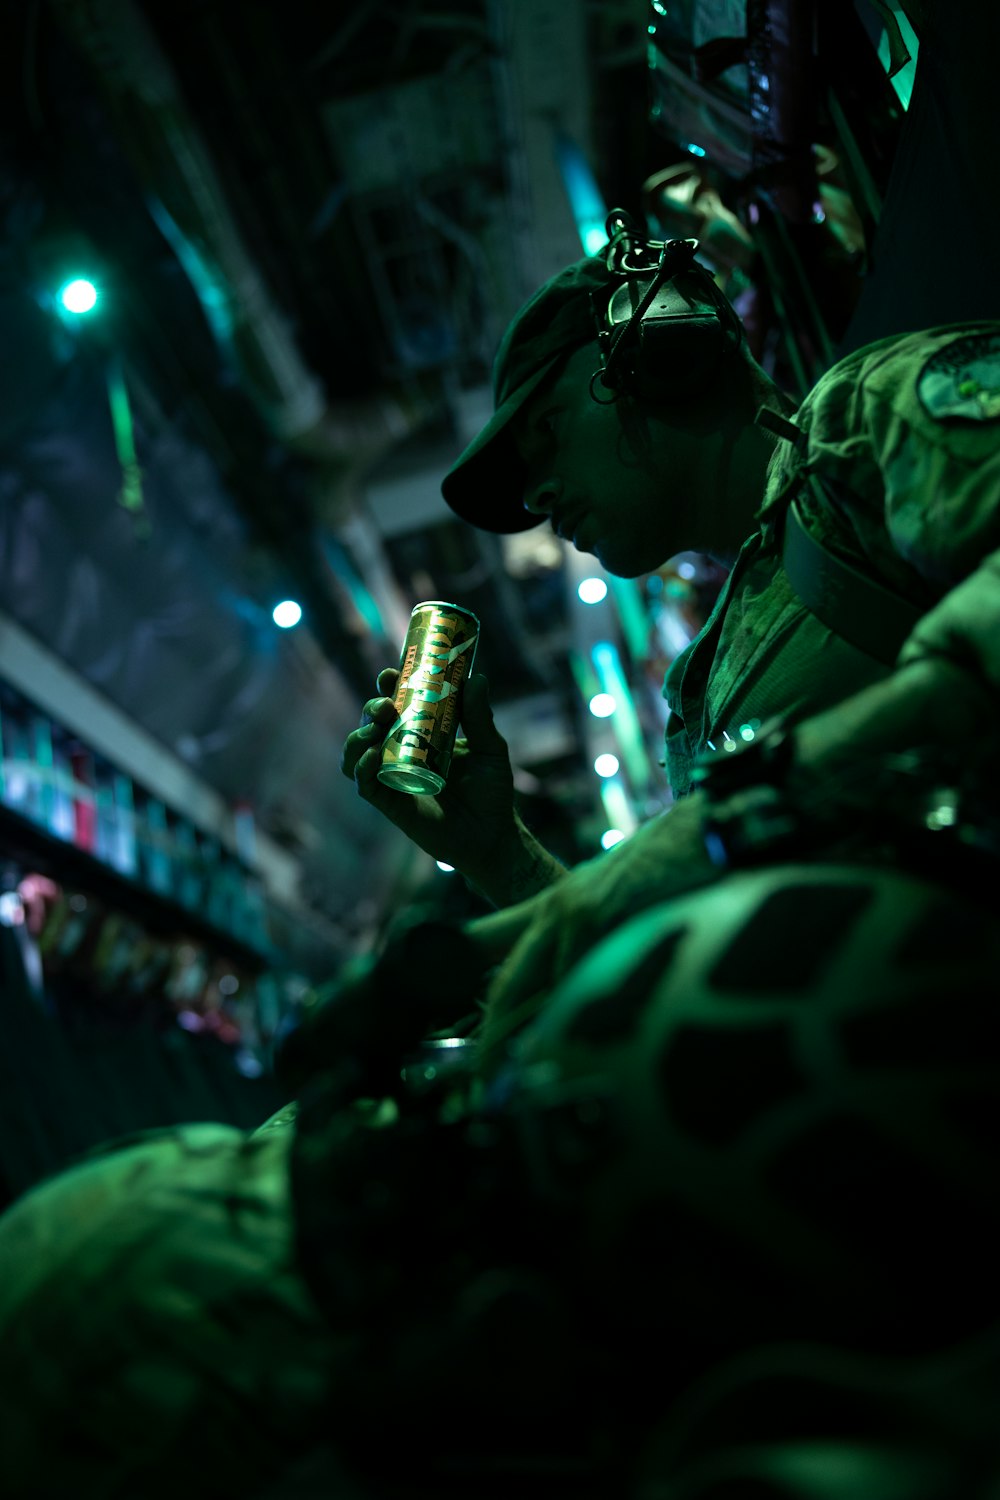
(485, 486)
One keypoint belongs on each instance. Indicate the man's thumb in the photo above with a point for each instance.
(477, 715)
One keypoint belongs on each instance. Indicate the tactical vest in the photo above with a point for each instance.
(831, 629)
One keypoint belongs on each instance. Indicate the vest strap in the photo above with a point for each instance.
(871, 618)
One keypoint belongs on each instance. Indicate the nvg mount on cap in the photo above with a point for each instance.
(662, 326)
(667, 324)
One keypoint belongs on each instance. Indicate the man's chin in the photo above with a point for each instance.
(617, 562)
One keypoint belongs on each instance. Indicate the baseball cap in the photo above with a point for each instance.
(485, 486)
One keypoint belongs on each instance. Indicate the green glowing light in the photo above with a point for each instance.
(593, 237)
(902, 81)
(586, 679)
(628, 731)
(586, 201)
(611, 837)
(632, 612)
(130, 495)
(602, 705)
(79, 295)
(606, 765)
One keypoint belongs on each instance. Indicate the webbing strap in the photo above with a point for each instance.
(869, 617)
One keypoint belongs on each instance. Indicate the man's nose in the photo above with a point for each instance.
(540, 497)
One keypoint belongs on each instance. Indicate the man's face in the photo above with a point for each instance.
(608, 481)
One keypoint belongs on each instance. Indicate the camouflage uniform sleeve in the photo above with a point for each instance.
(156, 1338)
(931, 413)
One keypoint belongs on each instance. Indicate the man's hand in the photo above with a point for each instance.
(664, 858)
(944, 694)
(964, 628)
(471, 824)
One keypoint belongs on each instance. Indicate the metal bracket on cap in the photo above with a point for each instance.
(598, 375)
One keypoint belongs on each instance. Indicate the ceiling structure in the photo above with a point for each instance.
(309, 225)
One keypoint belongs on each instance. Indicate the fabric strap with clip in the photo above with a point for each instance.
(855, 607)
(873, 619)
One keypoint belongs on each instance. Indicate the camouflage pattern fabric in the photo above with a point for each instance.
(793, 1090)
(799, 1422)
(722, 1223)
(772, 1112)
(155, 1336)
(727, 1209)
(905, 435)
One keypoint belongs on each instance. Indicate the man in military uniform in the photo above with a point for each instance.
(678, 1110)
(844, 523)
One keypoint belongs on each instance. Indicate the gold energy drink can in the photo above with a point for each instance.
(437, 656)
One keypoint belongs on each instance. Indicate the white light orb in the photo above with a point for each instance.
(592, 590)
(286, 614)
(78, 296)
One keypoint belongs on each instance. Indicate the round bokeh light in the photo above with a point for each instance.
(79, 295)
(286, 614)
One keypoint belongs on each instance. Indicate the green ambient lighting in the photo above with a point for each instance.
(632, 613)
(628, 731)
(901, 80)
(286, 614)
(79, 295)
(617, 808)
(130, 495)
(588, 207)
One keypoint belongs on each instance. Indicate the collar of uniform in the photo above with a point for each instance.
(787, 470)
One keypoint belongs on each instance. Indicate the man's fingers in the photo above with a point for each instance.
(377, 717)
(370, 735)
(379, 711)
(366, 769)
(391, 804)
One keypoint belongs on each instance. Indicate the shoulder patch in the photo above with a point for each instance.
(962, 380)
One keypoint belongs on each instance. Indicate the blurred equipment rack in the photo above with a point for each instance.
(806, 86)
